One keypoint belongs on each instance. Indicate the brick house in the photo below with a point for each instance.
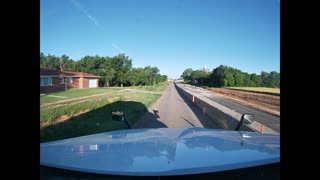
(54, 80)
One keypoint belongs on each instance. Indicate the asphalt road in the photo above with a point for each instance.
(174, 110)
(264, 118)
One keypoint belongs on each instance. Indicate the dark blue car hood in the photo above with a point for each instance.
(162, 151)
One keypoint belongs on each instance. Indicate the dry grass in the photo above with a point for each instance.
(265, 90)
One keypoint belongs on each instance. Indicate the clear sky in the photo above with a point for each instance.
(172, 35)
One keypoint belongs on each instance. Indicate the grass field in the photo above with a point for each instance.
(158, 87)
(275, 91)
(72, 93)
(85, 112)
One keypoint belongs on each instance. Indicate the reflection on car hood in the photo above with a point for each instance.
(162, 151)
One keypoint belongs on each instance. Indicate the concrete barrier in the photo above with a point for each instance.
(227, 118)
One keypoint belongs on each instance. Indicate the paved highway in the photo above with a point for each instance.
(264, 118)
(174, 110)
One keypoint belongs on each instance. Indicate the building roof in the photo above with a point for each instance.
(53, 72)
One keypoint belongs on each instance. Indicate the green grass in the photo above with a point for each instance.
(48, 99)
(72, 93)
(48, 114)
(157, 87)
(273, 91)
(96, 117)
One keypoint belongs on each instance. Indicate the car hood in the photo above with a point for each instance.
(162, 151)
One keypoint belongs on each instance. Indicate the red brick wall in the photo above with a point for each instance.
(55, 86)
(60, 87)
(85, 83)
(75, 83)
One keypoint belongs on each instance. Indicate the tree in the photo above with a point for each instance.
(274, 79)
(51, 62)
(137, 76)
(158, 78)
(238, 79)
(199, 76)
(246, 80)
(89, 64)
(255, 80)
(229, 80)
(228, 76)
(265, 80)
(121, 64)
(109, 75)
(151, 73)
(66, 64)
(115, 70)
(164, 78)
(43, 60)
(218, 76)
(186, 75)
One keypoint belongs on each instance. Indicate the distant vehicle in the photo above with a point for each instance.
(160, 152)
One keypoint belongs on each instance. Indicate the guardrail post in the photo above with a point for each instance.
(261, 128)
(193, 99)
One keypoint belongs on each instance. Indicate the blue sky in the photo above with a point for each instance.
(172, 35)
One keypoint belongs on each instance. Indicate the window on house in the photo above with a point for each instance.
(61, 80)
(45, 81)
(70, 80)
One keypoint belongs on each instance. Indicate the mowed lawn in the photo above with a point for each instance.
(274, 91)
(158, 88)
(88, 111)
(72, 93)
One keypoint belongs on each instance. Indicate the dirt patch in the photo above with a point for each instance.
(81, 112)
(44, 124)
(62, 118)
(113, 99)
(263, 102)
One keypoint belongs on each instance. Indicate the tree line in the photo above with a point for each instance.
(114, 71)
(225, 76)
